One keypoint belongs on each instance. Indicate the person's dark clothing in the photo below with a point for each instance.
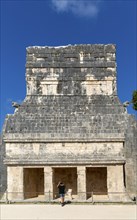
(61, 188)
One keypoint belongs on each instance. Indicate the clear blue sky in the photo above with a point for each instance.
(60, 22)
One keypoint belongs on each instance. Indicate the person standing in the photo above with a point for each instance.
(61, 188)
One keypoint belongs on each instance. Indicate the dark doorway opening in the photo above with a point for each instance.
(66, 175)
(33, 182)
(96, 181)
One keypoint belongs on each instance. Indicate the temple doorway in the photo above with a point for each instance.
(68, 176)
(96, 181)
(33, 182)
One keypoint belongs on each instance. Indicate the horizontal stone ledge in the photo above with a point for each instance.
(51, 59)
(27, 139)
(75, 71)
(71, 53)
(68, 54)
(89, 79)
(71, 64)
(64, 163)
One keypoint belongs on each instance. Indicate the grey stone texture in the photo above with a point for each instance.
(3, 170)
(72, 98)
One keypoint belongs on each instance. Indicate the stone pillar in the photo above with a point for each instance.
(115, 182)
(48, 183)
(15, 183)
(81, 182)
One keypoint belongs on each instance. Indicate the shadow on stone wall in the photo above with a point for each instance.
(131, 157)
(3, 171)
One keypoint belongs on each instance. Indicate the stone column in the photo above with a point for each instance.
(115, 182)
(81, 182)
(15, 183)
(48, 183)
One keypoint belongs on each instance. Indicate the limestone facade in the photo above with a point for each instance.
(71, 126)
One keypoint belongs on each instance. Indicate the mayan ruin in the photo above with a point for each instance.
(72, 127)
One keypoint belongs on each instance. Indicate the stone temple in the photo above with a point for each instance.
(71, 127)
